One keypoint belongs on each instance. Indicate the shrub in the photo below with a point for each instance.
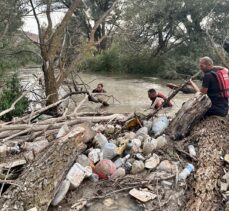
(10, 93)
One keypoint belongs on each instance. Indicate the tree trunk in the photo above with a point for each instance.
(211, 135)
(51, 90)
(39, 183)
(188, 115)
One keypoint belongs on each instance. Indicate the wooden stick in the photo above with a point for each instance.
(174, 93)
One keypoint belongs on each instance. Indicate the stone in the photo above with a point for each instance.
(161, 141)
(137, 167)
(152, 162)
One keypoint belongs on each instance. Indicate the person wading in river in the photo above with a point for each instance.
(216, 85)
(157, 99)
(99, 89)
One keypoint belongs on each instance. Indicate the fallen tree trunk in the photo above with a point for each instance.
(211, 135)
(38, 184)
(188, 115)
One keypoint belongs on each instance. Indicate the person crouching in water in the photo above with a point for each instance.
(158, 99)
(99, 89)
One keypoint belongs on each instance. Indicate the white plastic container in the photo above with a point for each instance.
(192, 150)
(186, 172)
(100, 140)
(76, 175)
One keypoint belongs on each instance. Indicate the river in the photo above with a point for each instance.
(129, 91)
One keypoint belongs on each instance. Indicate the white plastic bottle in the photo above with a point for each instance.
(100, 140)
(192, 150)
(186, 172)
(119, 162)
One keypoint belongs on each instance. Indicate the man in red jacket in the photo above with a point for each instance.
(157, 99)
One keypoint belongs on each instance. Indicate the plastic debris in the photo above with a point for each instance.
(152, 162)
(76, 175)
(62, 191)
(104, 169)
(159, 125)
(186, 172)
(142, 195)
(137, 167)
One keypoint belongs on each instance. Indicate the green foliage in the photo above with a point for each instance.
(10, 93)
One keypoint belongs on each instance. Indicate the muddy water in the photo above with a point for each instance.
(127, 93)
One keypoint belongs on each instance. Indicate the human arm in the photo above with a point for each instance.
(203, 90)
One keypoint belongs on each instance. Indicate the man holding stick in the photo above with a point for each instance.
(216, 85)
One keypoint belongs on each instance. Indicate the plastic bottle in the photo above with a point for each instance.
(109, 151)
(94, 177)
(186, 172)
(100, 140)
(119, 162)
(192, 150)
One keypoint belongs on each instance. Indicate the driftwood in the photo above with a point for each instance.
(188, 115)
(41, 180)
(211, 135)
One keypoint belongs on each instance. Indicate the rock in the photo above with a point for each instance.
(83, 160)
(119, 173)
(137, 167)
(167, 166)
(61, 192)
(152, 162)
(143, 195)
(109, 129)
(158, 175)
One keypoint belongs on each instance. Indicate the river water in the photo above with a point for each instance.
(129, 92)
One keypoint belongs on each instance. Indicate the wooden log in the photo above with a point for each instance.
(188, 115)
(211, 135)
(39, 183)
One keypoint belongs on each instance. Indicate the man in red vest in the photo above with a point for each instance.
(215, 86)
(157, 99)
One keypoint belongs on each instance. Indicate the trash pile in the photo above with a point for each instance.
(132, 156)
(117, 153)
